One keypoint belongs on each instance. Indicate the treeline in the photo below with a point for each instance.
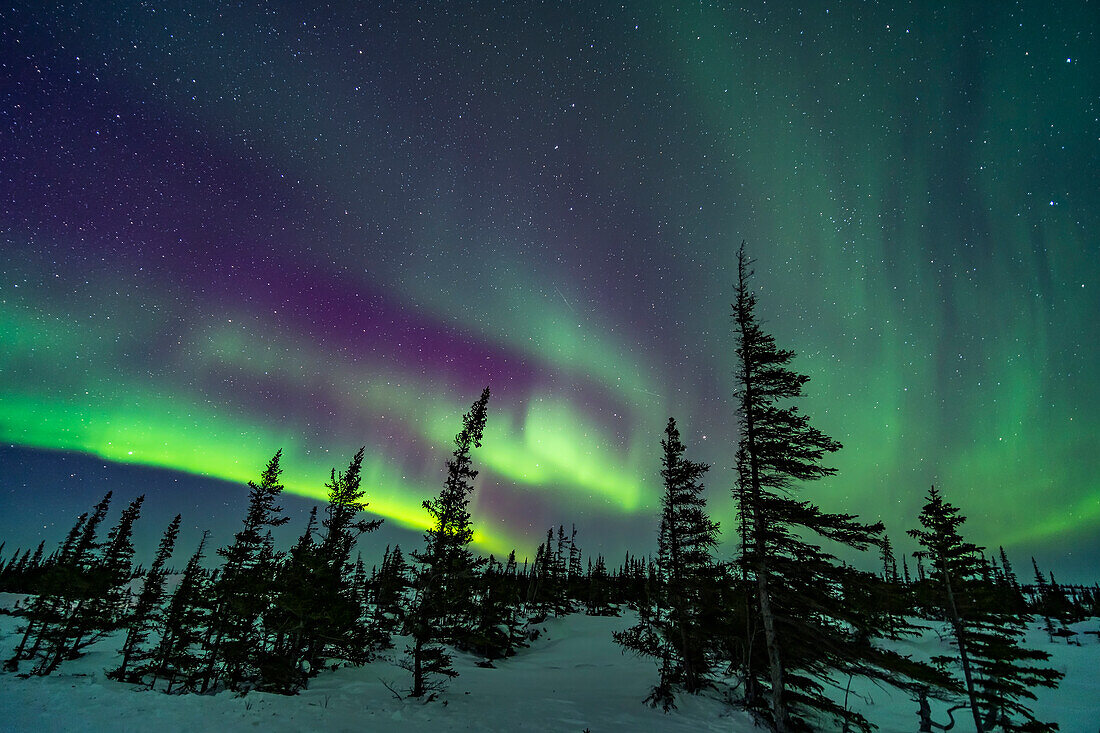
(270, 620)
(773, 627)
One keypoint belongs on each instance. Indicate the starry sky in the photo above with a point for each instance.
(229, 228)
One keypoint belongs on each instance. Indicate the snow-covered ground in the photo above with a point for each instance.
(572, 677)
(1074, 705)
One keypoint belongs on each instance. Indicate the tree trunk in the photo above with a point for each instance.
(418, 670)
(779, 705)
(771, 641)
(13, 664)
(960, 639)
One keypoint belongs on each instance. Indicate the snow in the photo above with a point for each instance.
(571, 678)
(1074, 705)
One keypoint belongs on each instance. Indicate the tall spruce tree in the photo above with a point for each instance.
(1043, 602)
(673, 628)
(562, 605)
(178, 658)
(244, 588)
(576, 570)
(341, 635)
(998, 673)
(445, 609)
(544, 588)
(147, 614)
(296, 612)
(810, 633)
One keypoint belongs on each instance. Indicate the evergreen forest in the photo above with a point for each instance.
(769, 627)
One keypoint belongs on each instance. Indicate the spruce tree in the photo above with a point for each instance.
(68, 587)
(24, 571)
(444, 609)
(562, 605)
(6, 568)
(672, 628)
(343, 524)
(810, 634)
(296, 614)
(891, 594)
(340, 635)
(576, 571)
(45, 607)
(389, 587)
(544, 590)
(147, 614)
(36, 558)
(369, 633)
(1012, 595)
(599, 590)
(998, 673)
(105, 597)
(243, 590)
(178, 658)
(512, 592)
(492, 636)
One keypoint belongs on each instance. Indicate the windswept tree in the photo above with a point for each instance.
(672, 628)
(1013, 595)
(82, 592)
(445, 609)
(343, 523)
(998, 673)
(104, 593)
(47, 605)
(23, 572)
(178, 657)
(244, 588)
(147, 614)
(811, 634)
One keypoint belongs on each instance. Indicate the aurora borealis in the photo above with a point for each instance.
(229, 228)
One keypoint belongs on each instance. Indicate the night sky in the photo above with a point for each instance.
(228, 228)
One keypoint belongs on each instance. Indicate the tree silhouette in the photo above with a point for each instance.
(178, 658)
(997, 672)
(810, 633)
(46, 607)
(243, 590)
(672, 627)
(147, 614)
(444, 609)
